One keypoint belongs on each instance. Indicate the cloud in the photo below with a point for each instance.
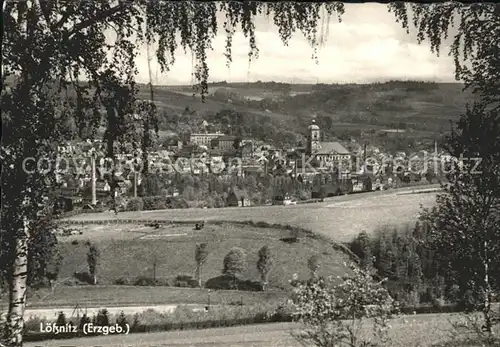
(368, 45)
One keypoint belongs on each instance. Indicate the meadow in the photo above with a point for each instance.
(430, 330)
(340, 218)
(129, 252)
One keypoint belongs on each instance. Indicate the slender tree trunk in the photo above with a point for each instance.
(488, 324)
(17, 290)
(199, 275)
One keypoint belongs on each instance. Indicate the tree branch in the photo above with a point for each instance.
(100, 17)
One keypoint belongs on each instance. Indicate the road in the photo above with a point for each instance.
(339, 218)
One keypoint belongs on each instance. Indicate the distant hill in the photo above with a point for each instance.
(419, 106)
(366, 112)
(281, 112)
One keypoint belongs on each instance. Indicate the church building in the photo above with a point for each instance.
(326, 153)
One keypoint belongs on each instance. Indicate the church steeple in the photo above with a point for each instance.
(313, 137)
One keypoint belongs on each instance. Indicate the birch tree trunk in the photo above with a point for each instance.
(488, 324)
(17, 290)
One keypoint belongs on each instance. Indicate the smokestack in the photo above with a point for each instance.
(94, 193)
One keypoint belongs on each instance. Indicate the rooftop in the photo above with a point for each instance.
(331, 148)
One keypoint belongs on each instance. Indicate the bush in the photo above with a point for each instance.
(135, 204)
(83, 277)
(122, 281)
(121, 321)
(164, 282)
(226, 282)
(102, 318)
(154, 203)
(144, 281)
(61, 319)
(32, 323)
(234, 262)
(84, 320)
(176, 203)
(74, 242)
(185, 281)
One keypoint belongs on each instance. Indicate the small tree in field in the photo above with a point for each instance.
(333, 315)
(313, 266)
(234, 263)
(264, 265)
(200, 256)
(93, 262)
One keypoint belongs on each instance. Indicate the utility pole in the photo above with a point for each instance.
(364, 158)
(94, 192)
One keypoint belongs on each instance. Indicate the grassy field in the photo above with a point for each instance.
(129, 251)
(418, 331)
(340, 218)
(112, 296)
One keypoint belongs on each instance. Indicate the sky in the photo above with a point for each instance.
(368, 46)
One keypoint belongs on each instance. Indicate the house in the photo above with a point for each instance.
(224, 142)
(102, 189)
(173, 144)
(282, 199)
(255, 170)
(203, 139)
(123, 187)
(238, 198)
(247, 150)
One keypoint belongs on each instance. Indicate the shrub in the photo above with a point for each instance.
(154, 203)
(144, 281)
(185, 281)
(313, 264)
(323, 307)
(102, 318)
(234, 263)
(84, 320)
(135, 204)
(122, 281)
(32, 323)
(226, 282)
(164, 282)
(81, 277)
(121, 321)
(61, 319)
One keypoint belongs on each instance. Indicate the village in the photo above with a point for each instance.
(366, 168)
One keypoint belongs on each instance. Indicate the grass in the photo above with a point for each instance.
(129, 251)
(108, 296)
(340, 219)
(418, 331)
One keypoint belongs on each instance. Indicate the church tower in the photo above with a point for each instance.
(313, 138)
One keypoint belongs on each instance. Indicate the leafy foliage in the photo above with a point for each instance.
(313, 264)
(234, 262)
(44, 258)
(264, 264)
(476, 60)
(201, 255)
(334, 314)
(93, 261)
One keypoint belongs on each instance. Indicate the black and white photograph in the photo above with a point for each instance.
(250, 174)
